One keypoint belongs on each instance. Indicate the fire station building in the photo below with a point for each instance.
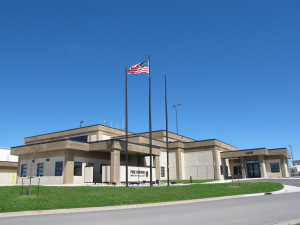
(96, 154)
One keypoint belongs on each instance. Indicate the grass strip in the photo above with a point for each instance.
(92, 196)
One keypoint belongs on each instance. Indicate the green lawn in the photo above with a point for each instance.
(80, 197)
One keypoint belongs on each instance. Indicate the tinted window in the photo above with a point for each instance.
(58, 168)
(237, 170)
(23, 170)
(40, 169)
(80, 139)
(162, 171)
(77, 168)
(275, 168)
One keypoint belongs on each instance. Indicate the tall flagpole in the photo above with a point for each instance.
(167, 131)
(150, 126)
(126, 115)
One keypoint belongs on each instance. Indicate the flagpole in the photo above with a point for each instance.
(126, 115)
(167, 132)
(150, 124)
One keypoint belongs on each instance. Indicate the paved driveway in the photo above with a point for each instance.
(262, 210)
(285, 181)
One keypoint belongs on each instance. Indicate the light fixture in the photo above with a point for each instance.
(175, 106)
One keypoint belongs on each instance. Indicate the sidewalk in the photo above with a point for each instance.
(248, 179)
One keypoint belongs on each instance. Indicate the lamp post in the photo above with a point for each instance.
(175, 106)
(292, 155)
(81, 123)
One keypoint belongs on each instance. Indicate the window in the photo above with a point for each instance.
(77, 168)
(162, 171)
(40, 169)
(80, 139)
(221, 169)
(275, 168)
(58, 168)
(23, 170)
(237, 170)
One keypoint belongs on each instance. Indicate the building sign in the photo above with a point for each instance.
(137, 173)
(249, 153)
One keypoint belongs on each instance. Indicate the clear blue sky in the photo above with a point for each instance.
(234, 66)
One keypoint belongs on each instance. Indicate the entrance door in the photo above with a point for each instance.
(253, 169)
(88, 174)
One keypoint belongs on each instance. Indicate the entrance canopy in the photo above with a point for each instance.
(251, 163)
(256, 152)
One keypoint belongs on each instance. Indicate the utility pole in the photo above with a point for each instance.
(292, 155)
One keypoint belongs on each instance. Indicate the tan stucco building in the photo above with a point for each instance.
(97, 154)
(260, 162)
(8, 167)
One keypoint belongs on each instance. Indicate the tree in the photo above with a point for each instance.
(30, 157)
(230, 165)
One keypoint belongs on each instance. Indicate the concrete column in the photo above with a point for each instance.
(282, 166)
(156, 164)
(69, 167)
(244, 167)
(286, 167)
(262, 165)
(217, 172)
(224, 168)
(179, 164)
(19, 170)
(115, 166)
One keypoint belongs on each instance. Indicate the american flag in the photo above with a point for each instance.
(139, 68)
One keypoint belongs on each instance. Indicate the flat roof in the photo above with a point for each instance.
(9, 164)
(74, 129)
(256, 149)
(212, 140)
(168, 132)
(132, 134)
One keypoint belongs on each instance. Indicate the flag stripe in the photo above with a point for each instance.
(139, 68)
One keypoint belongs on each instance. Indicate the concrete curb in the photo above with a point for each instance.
(105, 208)
(290, 222)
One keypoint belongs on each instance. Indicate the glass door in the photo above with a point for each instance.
(253, 169)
